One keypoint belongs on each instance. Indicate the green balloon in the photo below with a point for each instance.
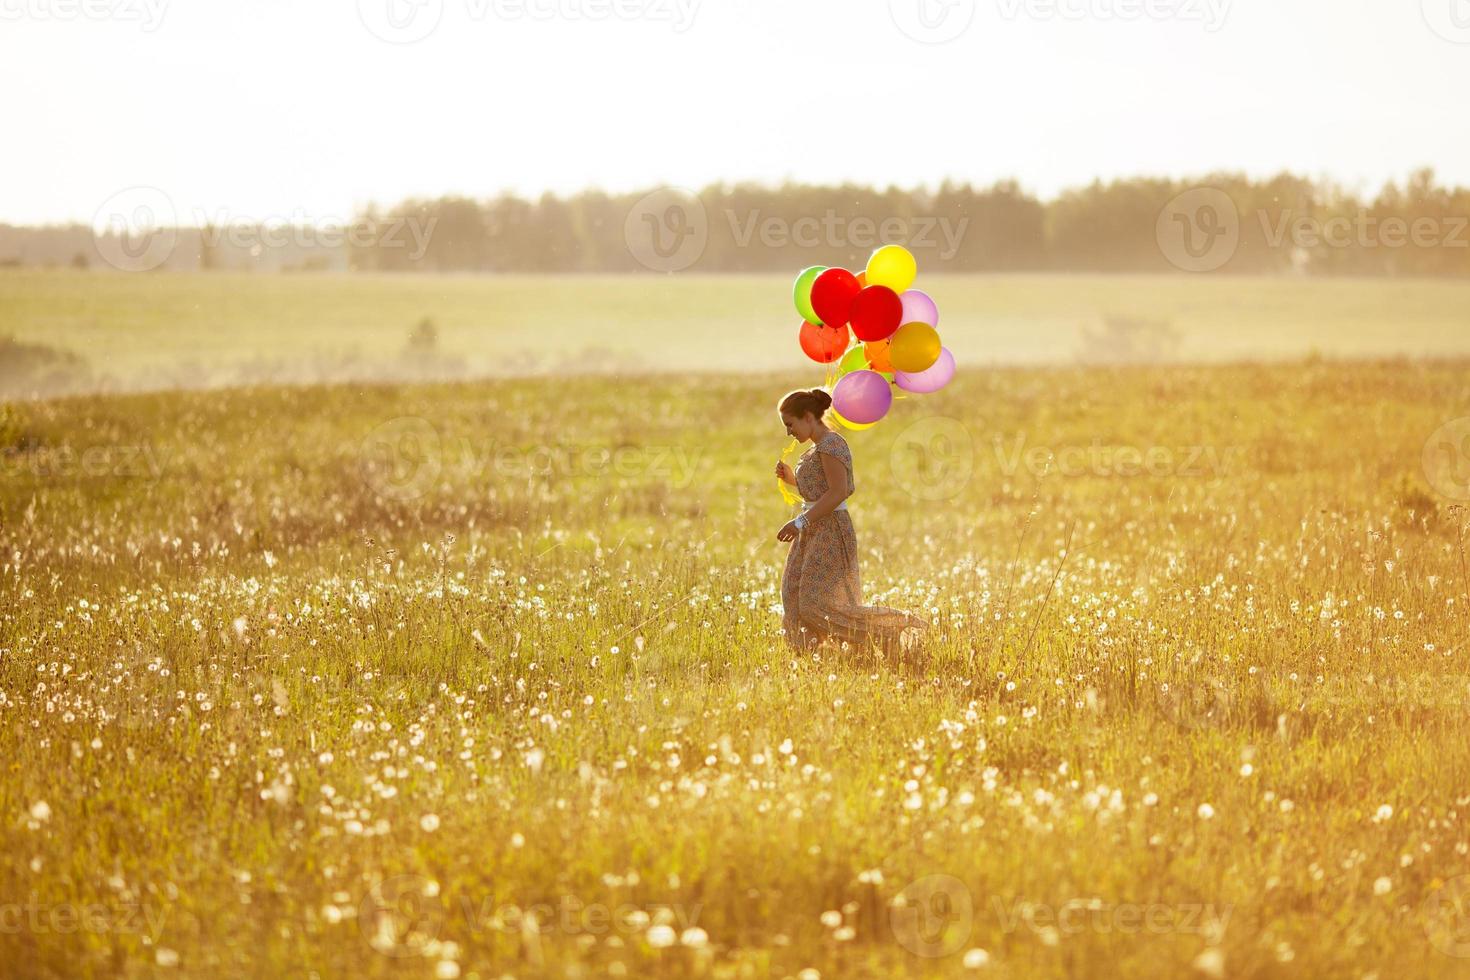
(856, 359)
(802, 292)
(853, 360)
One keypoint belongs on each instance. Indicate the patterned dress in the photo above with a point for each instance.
(821, 589)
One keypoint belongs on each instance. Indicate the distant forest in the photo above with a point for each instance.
(1286, 224)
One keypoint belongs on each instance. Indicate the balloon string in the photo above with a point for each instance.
(786, 492)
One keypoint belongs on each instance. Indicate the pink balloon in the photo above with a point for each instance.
(927, 381)
(862, 396)
(918, 307)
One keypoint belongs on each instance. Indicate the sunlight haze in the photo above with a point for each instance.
(302, 111)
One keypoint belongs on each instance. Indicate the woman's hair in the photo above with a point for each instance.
(813, 401)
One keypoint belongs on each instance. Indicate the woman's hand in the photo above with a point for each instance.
(789, 532)
(784, 474)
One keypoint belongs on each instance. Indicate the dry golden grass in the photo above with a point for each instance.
(187, 330)
(291, 683)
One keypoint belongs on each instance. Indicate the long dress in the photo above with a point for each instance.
(821, 588)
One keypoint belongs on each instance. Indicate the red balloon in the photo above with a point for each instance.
(824, 344)
(832, 296)
(876, 313)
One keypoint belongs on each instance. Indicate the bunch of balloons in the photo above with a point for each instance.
(880, 333)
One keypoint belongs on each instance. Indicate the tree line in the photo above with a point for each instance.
(1285, 224)
(1222, 223)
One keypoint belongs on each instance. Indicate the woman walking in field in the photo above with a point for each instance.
(821, 589)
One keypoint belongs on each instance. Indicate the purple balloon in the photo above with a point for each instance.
(927, 381)
(862, 396)
(919, 308)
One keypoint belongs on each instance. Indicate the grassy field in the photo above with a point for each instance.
(153, 331)
(486, 680)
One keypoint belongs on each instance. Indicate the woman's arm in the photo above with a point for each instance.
(836, 475)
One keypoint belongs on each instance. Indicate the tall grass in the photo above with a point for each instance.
(486, 679)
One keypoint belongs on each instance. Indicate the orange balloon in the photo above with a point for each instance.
(823, 344)
(862, 278)
(876, 351)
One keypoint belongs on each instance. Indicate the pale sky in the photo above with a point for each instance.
(264, 109)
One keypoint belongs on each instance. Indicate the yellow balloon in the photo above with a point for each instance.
(915, 347)
(892, 266)
(836, 417)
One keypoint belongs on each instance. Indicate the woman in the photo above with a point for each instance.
(821, 589)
